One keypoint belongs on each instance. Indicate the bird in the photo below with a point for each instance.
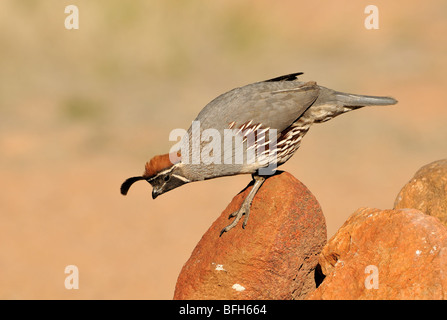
(270, 117)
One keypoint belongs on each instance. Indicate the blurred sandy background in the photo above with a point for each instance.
(81, 110)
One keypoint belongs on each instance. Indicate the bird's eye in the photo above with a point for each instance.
(166, 178)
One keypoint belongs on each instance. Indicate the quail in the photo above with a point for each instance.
(270, 117)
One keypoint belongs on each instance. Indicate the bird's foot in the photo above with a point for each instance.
(243, 210)
(245, 207)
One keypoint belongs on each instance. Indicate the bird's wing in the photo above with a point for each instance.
(272, 104)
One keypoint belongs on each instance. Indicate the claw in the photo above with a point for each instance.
(222, 232)
(244, 224)
(238, 215)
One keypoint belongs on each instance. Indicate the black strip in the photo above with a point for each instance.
(287, 77)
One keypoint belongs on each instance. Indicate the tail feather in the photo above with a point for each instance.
(356, 100)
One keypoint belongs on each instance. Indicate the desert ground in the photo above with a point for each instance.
(83, 109)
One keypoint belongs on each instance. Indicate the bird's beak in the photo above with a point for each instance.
(155, 193)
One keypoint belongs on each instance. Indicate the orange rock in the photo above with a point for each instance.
(427, 191)
(385, 254)
(274, 257)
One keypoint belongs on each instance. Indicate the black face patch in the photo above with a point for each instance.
(157, 181)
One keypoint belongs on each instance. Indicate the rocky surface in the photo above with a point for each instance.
(385, 254)
(399, 253)
(427, 191)
(273, 258)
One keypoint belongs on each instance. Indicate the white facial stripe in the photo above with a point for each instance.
(160, 173)
(181, 178)
(174, 175)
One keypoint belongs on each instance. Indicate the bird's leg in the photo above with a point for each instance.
(245, 207)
